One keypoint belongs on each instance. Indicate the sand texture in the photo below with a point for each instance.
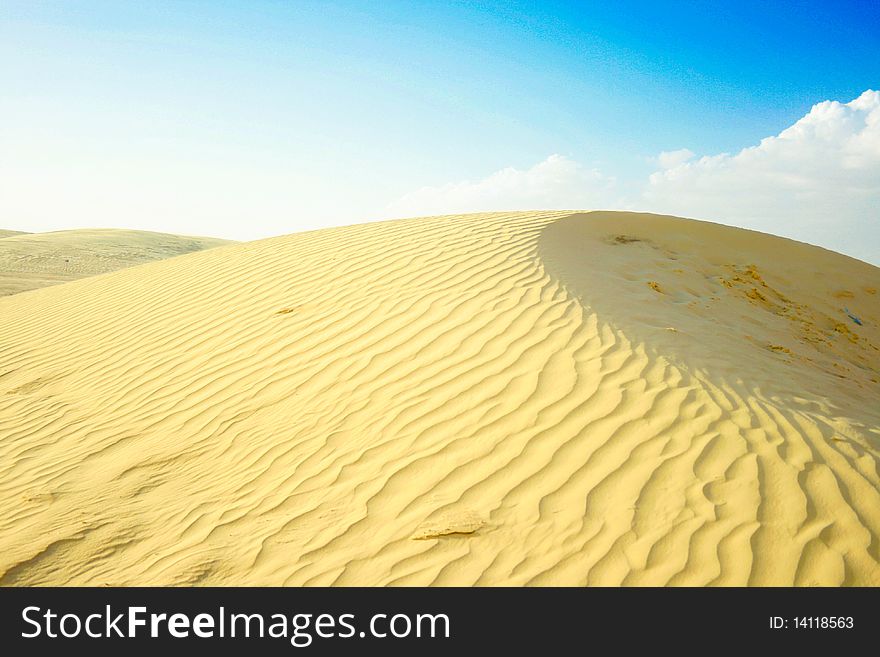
(518, 399)
(29, 261)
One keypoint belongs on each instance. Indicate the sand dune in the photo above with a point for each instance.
(523, 399)
(10, 233)
(29, 261)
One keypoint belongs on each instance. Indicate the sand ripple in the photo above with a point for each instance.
(437, 401)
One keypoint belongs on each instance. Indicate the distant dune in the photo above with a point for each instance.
(33, 260)
(540, 398)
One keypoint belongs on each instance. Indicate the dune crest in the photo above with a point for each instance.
(470, 400)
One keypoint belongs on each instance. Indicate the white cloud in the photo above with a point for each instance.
(671, 159)
(817, 181)
(556, 183)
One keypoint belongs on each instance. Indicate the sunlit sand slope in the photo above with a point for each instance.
(29, 261)
(528, 398)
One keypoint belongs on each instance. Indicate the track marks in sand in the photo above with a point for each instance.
(429, 401)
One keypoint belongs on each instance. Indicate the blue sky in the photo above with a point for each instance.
(249, 119)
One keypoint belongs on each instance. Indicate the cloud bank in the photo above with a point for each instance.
(556, 183)
(817, 181)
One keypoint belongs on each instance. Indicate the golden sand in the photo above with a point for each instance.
(523, 399)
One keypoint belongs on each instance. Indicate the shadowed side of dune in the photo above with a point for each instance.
(776, 466)
(434, 401)
(699, 290)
